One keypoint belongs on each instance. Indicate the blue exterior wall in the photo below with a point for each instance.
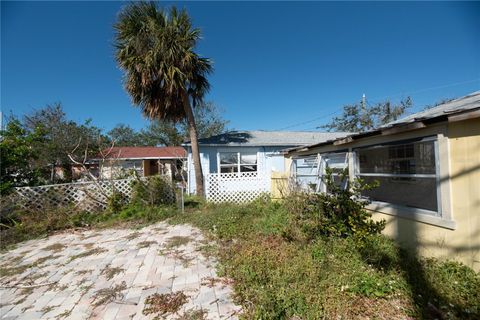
(268, 159)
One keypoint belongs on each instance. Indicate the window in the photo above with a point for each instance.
(337, 162)
(306, 172)
(406, 171)
(231, 162)
(309, 171)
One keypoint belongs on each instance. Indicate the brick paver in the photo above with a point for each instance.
(65, 276)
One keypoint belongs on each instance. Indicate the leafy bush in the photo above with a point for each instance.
(153, 192)
(116, 201)
(340, 212)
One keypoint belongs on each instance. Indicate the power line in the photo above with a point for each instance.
(427, 89)
(381, 98)
(310, 121)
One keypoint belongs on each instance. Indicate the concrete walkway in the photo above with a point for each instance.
(160, 270)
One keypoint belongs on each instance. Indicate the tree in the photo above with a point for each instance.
(165, 133)
(163, 74)
(125, 136)
(438, 102)
(359, 118)
(209, 122)
(17, 154)
(61, 136)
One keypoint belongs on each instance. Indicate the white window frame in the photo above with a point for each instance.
(239, 163)
(314, 170)
(323, 166)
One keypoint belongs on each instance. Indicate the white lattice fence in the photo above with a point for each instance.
(88, 196)
(235, 187)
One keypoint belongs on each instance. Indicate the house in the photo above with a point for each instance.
(428, 166)
(145, 161)
(240, 163)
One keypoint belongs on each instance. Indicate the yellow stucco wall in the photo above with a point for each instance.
(463, 243)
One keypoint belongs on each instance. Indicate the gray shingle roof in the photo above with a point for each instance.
(469, 102)
(270, 138)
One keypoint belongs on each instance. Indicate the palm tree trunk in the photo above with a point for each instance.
(192, 129)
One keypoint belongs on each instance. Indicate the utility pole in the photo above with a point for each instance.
(363, 116)
(364, 103)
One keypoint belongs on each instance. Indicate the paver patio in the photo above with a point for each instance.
(108, 274)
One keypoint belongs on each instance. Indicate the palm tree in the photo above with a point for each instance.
(163, 74)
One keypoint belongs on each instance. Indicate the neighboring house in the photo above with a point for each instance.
(428, 166)
(146, 161)
(243, 161)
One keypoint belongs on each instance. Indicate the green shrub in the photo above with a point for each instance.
(193, 201)
(116, 201)
(340, 212)
(145, 214)
(153, 192)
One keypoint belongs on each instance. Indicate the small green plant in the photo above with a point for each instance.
(195, 314)
(56, 247)
(177, 241)
(110, 272)
(106, 295)
(374, 285)
(145, 244)
(87, 253)
(47, 309)
(163, 304)
(64, 314)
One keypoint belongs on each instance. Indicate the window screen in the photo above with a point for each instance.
(406, 173)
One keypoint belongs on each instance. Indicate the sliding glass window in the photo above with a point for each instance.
(406, 171)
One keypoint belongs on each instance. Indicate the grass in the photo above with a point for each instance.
(83, 272)
(7, 270)
(47, 309)
(87, 253)
(106, 295)
(35, 224)
(277, 277)
(64, 314)
(56, 247)
(12, 271)
(177, 241)
(110, 272)
(145, 244)
(133, 236)
(163, 304)
(196, 314)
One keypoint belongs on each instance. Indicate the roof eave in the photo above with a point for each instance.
(415, 124)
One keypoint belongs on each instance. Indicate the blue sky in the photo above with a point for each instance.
(277, 64)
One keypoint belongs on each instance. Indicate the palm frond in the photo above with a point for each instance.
(155, 48)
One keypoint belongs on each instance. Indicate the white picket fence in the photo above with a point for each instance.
(236, 187)
(87, 196)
